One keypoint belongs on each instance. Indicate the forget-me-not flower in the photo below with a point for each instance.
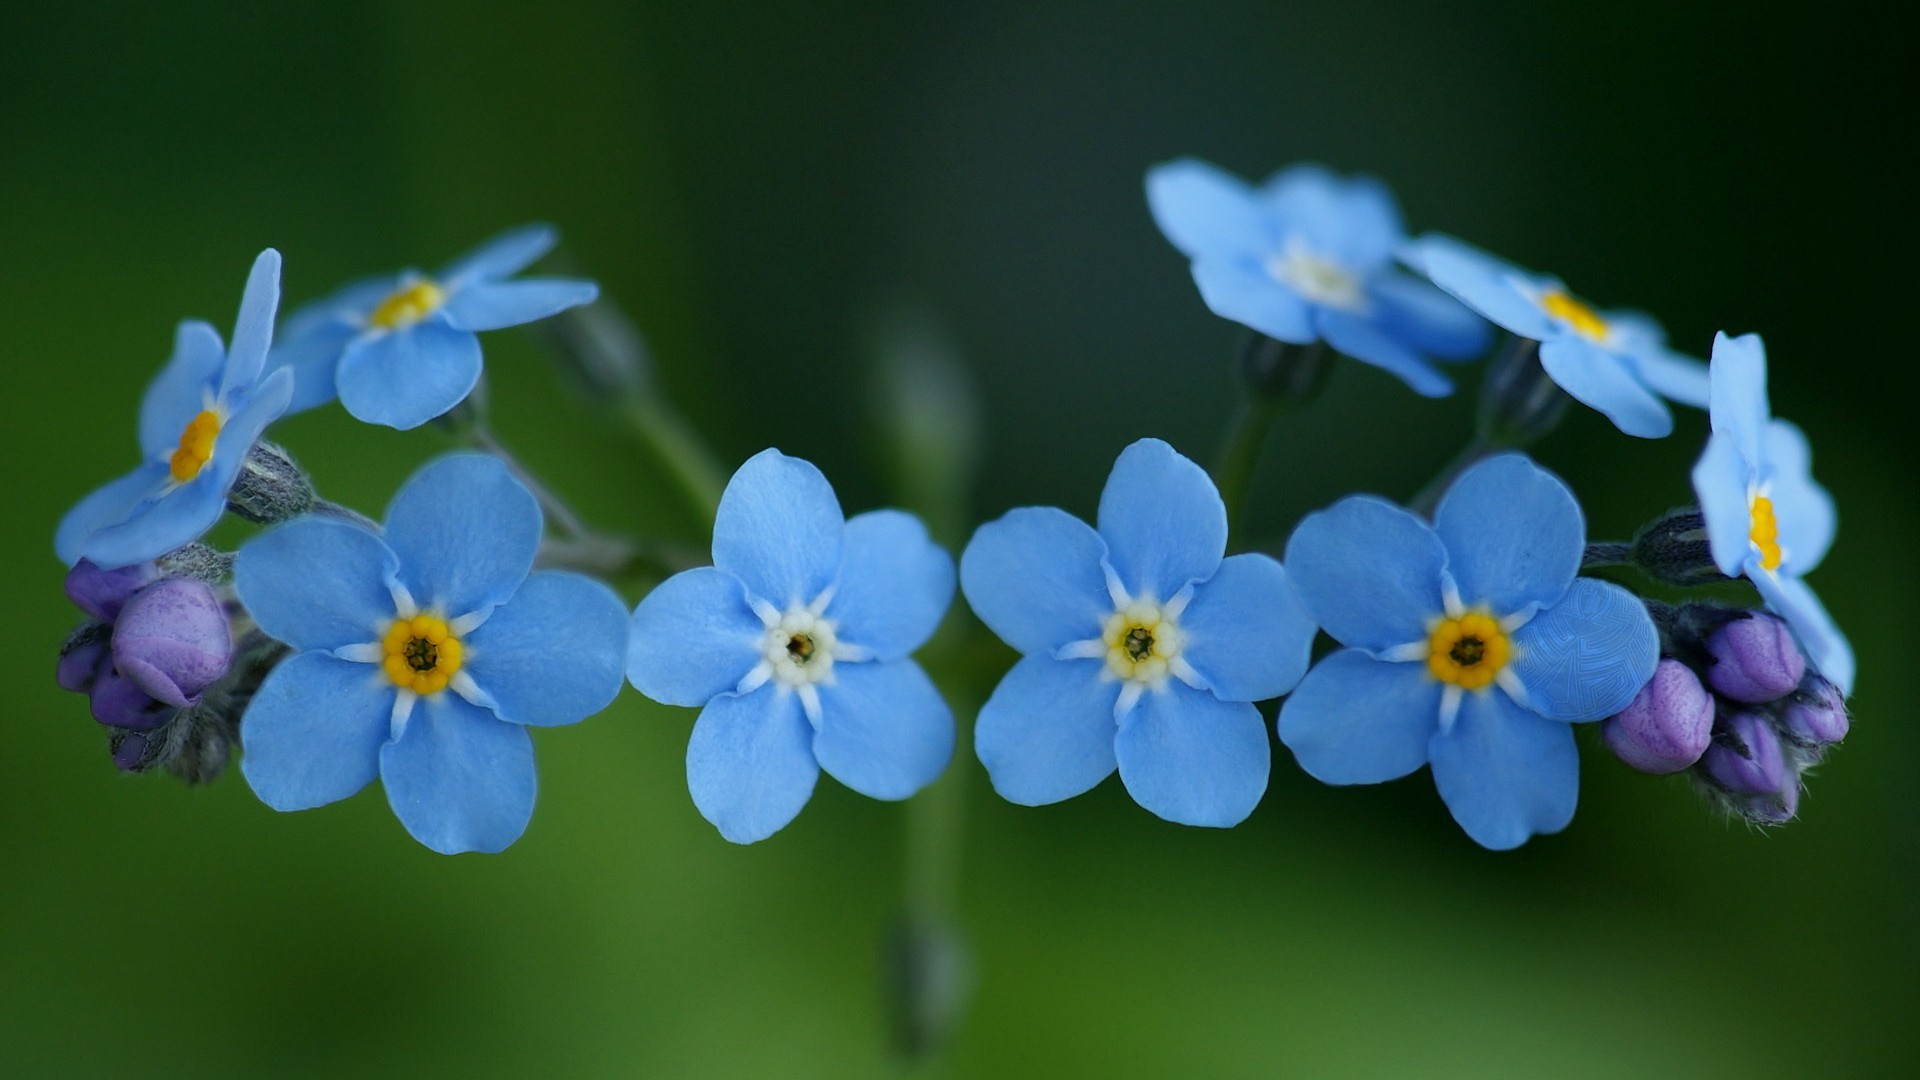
(401, 350)
(1616, 362)
(200, 417)
(1309, 257)
(422, 655)
(1143, 647)
(796, 643)
(1766, 517)
(1471, 645)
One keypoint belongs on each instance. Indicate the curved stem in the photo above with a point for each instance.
(693, 466)
(556, 509)
(1233, 474)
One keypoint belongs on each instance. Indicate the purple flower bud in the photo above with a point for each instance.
(1668, 724)
(1756, 659)
(1748, 760)
(172, 640)
(81, 665)
(1773, 808)
(117, 702)
(1816, 715)
(131, 751)
(100, 593)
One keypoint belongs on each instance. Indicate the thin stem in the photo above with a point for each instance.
(1477, 448)
(1234, 473)
(693, 467)
(556, 509)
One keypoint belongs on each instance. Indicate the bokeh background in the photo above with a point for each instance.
(759, 185)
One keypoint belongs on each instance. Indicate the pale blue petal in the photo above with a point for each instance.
(1802, 507)
(1207, 212)
(503, 256)
(253, 328)
(1514, 535)
(1034, 577)
(466, 532)
(488, 305)
(459, 778)
(1162, 519)
(1720, 480)
(1506, 773)
(312, 339)
(404, 378)
(1738, 394)
(779, 529)
(313, 732)
(1247, 634)
(107, 506)
(1368, 572)
(1352, 222)
(1482, 282)
(894, 585)
(1240, 290)
(1193, 759)
(317, 583)
(1605, 382)
(1357, 720)
(1586, 657)
(182, 389)
(750, 764)
(1355, 336)
(1672, 376)
(1418, 315)
(693, 638)
(554, 654)
(1047, 732)
(884, 730)
(1819, 636)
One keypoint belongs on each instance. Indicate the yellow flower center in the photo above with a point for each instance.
(196, 446)
(421, 654)
(1468, 651)
(407, 305)
(1765, 534)
(1141, 642)
(1585, 321)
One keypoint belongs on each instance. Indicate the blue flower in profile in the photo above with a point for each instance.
(401, 350)
(1766, 517)
(422, 655)
(1471, 647)
(1309, 257)
(1616, 362)
(200, 417)
(796, 645)
(1143, 647)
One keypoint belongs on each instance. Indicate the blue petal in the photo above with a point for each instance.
(1238, 289)
(1738, 394)
(1162, 519)
(750, 763)
(317, 584)
(107, 506)
(1720, 480)
(487, 305)
(458, 778)
(1247, 634)
(1506, 773)
(1352, 222)
(1586, 657)
(894, 585)
(693, 638)
(1514, 535)
(314, 730)
(466, 532)
(1357, 720)
(779, 529)
(1206, 211)
(312, 339)
(1034, 577)
(1672, 376)
(554, 654)
(884, 731)
(1605, 382)
(1047, 732)
(1356, 337)
(404, 378)
(503, 256)
(1193, 759)
(253, 328)
(1419, 315)
(1367, 571)
(1803, 508)
(1825, 645)
(1482, 282)
(182, 389)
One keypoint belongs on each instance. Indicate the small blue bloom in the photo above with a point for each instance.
(1471, 645)
(200, 417)
(401, 350)
(1616, 361)
(1143, 646)
(1309, 257)
(422, 654)
(1766, 518)
(796, 645)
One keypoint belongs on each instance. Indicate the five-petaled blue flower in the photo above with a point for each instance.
(1470, 646)
(200, 417)
(1616, 362)
(796, 641)
(1766, 518)
(423, 653)
(1309, 257)
(1144, 648)
(401, 350)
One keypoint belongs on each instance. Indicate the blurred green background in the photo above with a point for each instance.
(753, 182)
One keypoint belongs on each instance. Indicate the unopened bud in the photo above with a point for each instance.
(1815, 716)
(1747, 763)
(1519, 401)
(1667, 726)
(1674, 549)
(1756, 659)
(100, 593)
(118, 702)
(600, 351)
(1280, 371)
(81, 659)
(172, 640)
(271, 488)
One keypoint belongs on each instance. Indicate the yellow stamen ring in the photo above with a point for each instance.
(1468, 652)
(421, 654)
(196, 446)
(1765, 534)
(1141, 642)
(1585, 321)
(407, 305)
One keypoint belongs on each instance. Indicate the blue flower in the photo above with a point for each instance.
(422, 654)
(1616, 361)
(1470, 646)
(1766, 518)
(1143, 648)
(1309, 257)
(795, 642)
(401, 350)
(200, 417)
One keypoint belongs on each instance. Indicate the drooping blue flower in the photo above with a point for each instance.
(1766, 517)
(1143, 646)
(1471, 646)
(1309, 257)
(422, 655)
(401, 350)
(200, 417)
(796, 645)
(1616, 362)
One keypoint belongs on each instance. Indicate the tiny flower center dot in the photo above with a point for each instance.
(196, 446)
(407, 305)
(1469, 651)
(1765, 534)
(1575, 313)
(1142, 642)
(422, 654)
(1319, 280)
(798, 650)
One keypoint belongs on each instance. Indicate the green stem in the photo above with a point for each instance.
(558, 512)
(1471, 454)
(693, 467)
(1233, 475)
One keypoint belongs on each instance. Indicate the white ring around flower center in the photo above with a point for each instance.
(1140, 645)
(1318, 279)
(798, 648)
